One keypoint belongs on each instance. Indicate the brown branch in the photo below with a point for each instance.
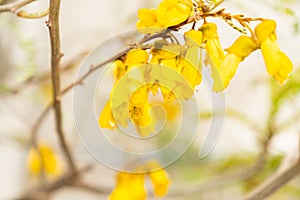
(53, 25)
(13, 7)
(69, 179)
(274, 183)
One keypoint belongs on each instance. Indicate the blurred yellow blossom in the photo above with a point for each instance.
(46, 159)
(129, 187)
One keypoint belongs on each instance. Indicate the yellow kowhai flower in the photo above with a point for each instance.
(129, 187)
(193, 38)
(119, 68)
(106, 119)
(148, 22)
(159, 179)
(44, 160)
(136, 57)
(237, 52)
(212, 43)
(277, 62)
(190, 66)
(173, 12)
(168, 55)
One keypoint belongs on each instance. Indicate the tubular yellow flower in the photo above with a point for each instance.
(277, 63)
(237, 52)
(173, 12)
(168, 95)
(148, 21)
(106, 119)
(129, 187)
(136, 57)
(50, 161)
(212, 43)
(119, 68)
(190, 66)
(193, 38)
(160, 182)
(167, 55)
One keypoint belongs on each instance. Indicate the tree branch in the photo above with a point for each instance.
(13, 7)
(274, 183)
(53, 25)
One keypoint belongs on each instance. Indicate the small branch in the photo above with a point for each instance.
(274, 183)
(223, 180)
(53, 25)
(68, 179)
(91, 188)
(13, 7)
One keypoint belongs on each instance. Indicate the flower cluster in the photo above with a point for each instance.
(173, 68)
(169, 69)
(224, 63)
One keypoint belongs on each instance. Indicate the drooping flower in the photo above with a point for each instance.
(173, 12)
(159, 179)
(212, 43)
(237, 52)
(45, 160)
(136, 58)
(106, 119)
(148, 22)
(119, 68)
(193, 38)
(277, 63)
(129, 187)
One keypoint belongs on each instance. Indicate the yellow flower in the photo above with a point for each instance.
(277, 62)
(160, 182)
(193, 38)
(173, 12)
(129, 187)
(119, 68)
(106, 119)
(168, 55)
(237, 52)
(191, 65)
(212, 43)
(50, 161)
(148, 21)
(136, 58)
(140, 111)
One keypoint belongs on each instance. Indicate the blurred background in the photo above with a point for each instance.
(246, 153)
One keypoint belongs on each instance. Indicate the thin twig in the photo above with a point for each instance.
(53, 25)
(13, 7)
(68, 179)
